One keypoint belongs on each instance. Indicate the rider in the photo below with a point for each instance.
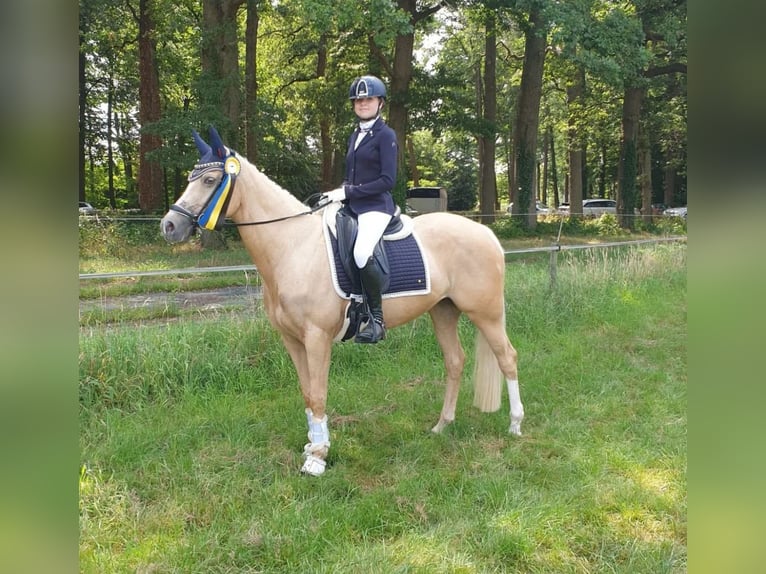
(371, 169)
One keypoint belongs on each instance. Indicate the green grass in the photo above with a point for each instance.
(191, 434)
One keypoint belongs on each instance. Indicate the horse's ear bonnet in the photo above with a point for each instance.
(210, 156)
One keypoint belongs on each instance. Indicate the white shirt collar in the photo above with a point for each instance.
(367, 125)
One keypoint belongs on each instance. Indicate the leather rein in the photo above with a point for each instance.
(311, 210)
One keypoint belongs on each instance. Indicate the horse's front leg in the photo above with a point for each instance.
(312, 361)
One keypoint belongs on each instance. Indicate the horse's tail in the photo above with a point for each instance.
(487, 377)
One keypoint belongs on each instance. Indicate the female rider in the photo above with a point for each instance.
(371, 164)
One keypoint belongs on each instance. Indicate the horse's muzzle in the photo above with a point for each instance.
(175, 227)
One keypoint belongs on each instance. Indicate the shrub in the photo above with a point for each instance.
(507, 228)
(670, 225)
(105, 236)
(605, 225)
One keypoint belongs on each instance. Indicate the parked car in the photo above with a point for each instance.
(540, 208)
(86, 208)
(593, 207)
(676, 212)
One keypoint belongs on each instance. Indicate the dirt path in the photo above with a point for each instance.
(240, 296)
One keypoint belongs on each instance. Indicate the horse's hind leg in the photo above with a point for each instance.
(445, 318)
(493, 331)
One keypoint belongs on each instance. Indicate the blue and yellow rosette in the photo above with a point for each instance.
(216, 207)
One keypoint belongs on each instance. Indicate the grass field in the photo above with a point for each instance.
(191, 434)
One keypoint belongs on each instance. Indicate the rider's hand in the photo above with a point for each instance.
(335, 195)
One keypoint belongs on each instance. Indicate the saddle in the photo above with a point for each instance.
(398, 255)
(346, 229)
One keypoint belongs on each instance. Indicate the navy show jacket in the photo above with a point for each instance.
(371, 170)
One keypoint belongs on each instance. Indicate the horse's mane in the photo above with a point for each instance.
(255, 178)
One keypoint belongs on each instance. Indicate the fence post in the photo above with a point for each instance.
(552, 267)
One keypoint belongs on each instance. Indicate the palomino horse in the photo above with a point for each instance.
(464, 258)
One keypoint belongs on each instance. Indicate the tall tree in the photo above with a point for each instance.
(534, 28)
(82, 103)
(575, 94)
(221, 88)
(663, 24)
(150, 190)
(628, 166)
(251, 80)
(487, 182)
(400, 72)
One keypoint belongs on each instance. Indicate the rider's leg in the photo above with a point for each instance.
(371, 227)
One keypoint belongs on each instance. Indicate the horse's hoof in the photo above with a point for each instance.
(440, 426)
(515, 429)
(313, 465)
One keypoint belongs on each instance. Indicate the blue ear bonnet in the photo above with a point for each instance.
(211, 156)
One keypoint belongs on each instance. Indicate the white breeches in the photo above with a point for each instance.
(371, 227)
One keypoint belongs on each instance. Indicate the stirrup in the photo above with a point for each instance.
(372, 332)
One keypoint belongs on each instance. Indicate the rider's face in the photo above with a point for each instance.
(366, 108)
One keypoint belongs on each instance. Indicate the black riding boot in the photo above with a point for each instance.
(372, 282)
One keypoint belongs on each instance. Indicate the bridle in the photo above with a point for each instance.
(212, 214)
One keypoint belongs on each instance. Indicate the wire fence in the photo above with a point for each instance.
(552, 249)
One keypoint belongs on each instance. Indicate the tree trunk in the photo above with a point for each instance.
(575, 93)
(414, 172)
(645, 176)
(179, 182)
(338, 157)
(83, 104)
(480, 140)
(325, 130)
(150, 195)
(110, 140)
(220, 63)
(554, 172)
(488, 191)
(538, 186)
(510, 165)
(251, 81)
(528, 118)
(628, 167)
(232, 91)
(401, 75)
(397, 112)
(669, 183)
(546, 152)
(602, 172)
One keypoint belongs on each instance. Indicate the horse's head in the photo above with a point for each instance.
(205, 200)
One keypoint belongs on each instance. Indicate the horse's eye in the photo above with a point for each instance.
(211, 180)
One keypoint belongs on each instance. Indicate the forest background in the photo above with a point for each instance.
(498, 101)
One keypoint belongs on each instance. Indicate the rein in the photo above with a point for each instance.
(314, 209)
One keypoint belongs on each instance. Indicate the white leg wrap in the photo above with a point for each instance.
(318, 432)
(517, 409)
(313, 465)
(315, 451)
